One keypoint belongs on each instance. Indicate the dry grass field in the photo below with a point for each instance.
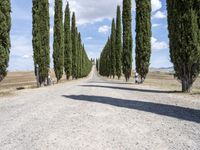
(20, 80)
(167, 81)
(23, 80)
(163, 81)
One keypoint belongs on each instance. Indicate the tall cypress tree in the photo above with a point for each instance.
(113, 49)
(118, 43)
(143, 37)
(79, 54)
(105, 60)
(74, 46)
(5, 25)
(67, 44)
(127, 39)
(184, 36)
(40, 39)
(58, 44)
(97, 65)
(83, 61)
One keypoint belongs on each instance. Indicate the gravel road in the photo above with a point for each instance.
(99, 114)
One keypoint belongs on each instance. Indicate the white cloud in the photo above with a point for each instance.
(104, 29)
(158, 45)
(51, 10)
(21, 53)
(21, 45)
(156, 5)
(91, 11)
(159, 15)
(51, 30)
(89, 38)
(26, 56)
(94, 50)
(156, 25)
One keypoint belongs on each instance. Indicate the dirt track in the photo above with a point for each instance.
(97, 114)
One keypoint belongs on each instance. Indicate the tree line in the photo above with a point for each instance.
(184, 39)
(116, 57)
(69, 54)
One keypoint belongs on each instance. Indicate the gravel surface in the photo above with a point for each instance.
(96, 114)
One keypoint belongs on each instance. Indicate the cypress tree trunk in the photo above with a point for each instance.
(127, 39)
(67, 44)
(113, 50)
(118, 44)
(58, 44)
(143, 37)
(74, 47)
(184, 41)
(40, 40)
(5, 25)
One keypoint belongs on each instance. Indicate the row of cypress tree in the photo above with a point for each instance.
(110, 63)
(69, 54)
(115, 57)
(5, 25)
(184, 37)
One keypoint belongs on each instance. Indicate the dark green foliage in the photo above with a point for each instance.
(58, 44)
(74, 47)
(113, 50)
(118, 47)
(143, 37)
(5, 25)
(97, 65)
(86, 63)
(110, 62)
(105, 60)
(184, 33)
(79, 51)
(197, 8)
(67, 44)
(80, 60)
(127, 39)
(40, 40)
(81, 65)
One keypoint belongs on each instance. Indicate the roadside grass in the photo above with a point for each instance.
(162, 81)
(167, 81)
(7, 93)
(21, 80)
(159, 80)
(24, 80)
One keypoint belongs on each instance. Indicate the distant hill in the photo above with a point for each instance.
(165, 70)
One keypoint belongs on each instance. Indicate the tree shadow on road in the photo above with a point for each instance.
(131, 89)
(178, 112)
(107, 82)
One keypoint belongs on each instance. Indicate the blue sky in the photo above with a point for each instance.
(94, 24)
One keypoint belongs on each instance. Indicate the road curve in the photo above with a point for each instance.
(97, 114)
